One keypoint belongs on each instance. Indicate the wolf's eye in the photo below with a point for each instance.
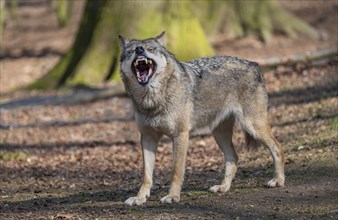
(129, 52)
(151, 49)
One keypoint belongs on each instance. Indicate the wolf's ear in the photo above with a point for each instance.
(123, 41)
(160, 38)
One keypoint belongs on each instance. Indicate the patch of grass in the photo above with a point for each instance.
(334, 123)
(18, 155)
(308, 142)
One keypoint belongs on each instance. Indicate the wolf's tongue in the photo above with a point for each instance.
(143, 75)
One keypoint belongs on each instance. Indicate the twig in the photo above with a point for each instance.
(300, 57)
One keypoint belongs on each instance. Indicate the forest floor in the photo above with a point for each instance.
(82, 161)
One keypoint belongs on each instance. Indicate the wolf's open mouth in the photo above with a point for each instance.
(143, 68)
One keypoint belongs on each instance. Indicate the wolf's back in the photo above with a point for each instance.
(223, 86)
(215, 63)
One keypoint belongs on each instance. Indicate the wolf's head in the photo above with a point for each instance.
(141, 60)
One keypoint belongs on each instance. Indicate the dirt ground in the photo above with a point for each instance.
(82, 161)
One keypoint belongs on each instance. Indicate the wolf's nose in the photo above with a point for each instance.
(139, 50)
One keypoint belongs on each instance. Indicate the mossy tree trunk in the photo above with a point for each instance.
(66, 67)
(185, 36)
(63, 9)
(94, 56)
(252, 17)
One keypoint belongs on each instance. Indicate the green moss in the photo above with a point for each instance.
(254, 17)
(92, 68)
(334, 123)
(50, 80)
(18, 155)
(63, 10)
(188, 46)
(321, 139)
(184, 34)
(153, 21)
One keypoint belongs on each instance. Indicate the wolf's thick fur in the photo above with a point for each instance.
(176, 98)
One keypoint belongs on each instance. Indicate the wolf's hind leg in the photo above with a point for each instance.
(261, 132)
(223, 136)
(277, 153)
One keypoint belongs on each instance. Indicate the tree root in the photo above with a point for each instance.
(300, 57)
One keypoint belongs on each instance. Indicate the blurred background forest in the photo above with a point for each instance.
(69, 147)
(191, 26)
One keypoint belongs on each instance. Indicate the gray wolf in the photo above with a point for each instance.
(175, 99)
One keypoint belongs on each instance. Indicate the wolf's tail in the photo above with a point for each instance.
(251, 142)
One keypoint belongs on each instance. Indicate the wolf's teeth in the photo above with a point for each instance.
(146, 61)
(150, 62)
(135, 64)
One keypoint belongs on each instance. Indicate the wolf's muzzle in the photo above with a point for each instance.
(143, 68)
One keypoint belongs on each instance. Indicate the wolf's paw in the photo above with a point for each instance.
(170, 199)
(276, 182)
(219, 188)
(135, 201)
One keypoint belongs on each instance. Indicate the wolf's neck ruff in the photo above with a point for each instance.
(155, 97)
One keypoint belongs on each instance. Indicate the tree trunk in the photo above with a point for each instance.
(253, 17)
(94, 56)
(63, 10)
(185, 36)
(66, 67)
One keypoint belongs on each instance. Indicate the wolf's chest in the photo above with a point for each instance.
(163, 123)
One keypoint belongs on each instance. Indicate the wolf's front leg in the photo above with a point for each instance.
(180, 153)
(149, 143)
